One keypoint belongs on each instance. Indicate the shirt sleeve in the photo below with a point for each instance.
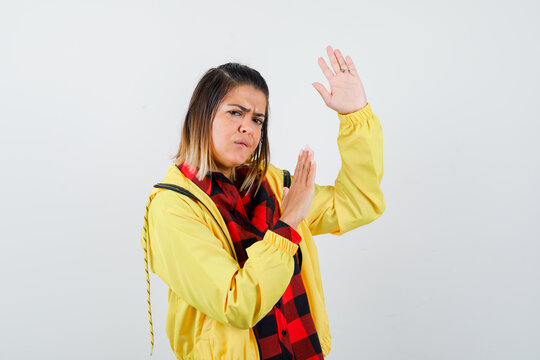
(283, 229)
(191, 260)
(356, 197)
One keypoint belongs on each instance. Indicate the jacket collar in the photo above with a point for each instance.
(190, 172)
(174, 176)
(207, 182)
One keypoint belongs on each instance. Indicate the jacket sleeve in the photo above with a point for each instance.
(356, 198)
(191, 260)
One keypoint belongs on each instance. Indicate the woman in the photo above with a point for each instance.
(233, 242)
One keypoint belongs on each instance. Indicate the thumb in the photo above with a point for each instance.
(285, 192)
(322, 91)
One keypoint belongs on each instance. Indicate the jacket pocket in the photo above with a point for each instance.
(202, 350)
(227, 342)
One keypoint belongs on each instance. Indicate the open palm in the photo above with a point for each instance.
(346, 90)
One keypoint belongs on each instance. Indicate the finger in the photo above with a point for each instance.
(304, 170)
(301, 162)
(285, 192)
(312, 171)
(298, 164)
(328, 74)
(323, 92)
(341, 61)
(352, 67)
(333, 59)
(307, 166)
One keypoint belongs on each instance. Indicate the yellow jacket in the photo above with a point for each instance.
(213, 302)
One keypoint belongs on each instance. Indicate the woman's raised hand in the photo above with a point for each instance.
(347, 93)
(297, 200)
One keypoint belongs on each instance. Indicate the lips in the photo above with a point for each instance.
(245, 143)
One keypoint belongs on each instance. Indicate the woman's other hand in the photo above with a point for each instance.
(297, 200)
(347, 93)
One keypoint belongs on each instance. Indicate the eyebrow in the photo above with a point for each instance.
(246, 109)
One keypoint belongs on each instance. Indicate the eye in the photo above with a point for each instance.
(257, 120)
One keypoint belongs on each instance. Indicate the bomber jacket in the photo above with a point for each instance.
(213, 302)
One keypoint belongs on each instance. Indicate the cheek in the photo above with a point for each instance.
(218, 132)
(257, 142)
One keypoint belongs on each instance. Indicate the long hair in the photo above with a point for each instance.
(196, 138)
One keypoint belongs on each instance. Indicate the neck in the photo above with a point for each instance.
(227, 172)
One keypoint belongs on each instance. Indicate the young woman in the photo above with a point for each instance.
(231, 238)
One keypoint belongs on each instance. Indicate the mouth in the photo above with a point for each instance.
(241, 144)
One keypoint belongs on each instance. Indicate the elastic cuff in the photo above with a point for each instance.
(358, 117)
(281, 242)
(283, 229)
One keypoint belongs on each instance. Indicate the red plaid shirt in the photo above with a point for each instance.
(287, 331)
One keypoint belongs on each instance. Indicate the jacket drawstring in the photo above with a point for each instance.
(286, 182)
(146, 258)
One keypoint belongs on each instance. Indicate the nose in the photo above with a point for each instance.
(247, 125)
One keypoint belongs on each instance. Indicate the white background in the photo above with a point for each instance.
(92, 97)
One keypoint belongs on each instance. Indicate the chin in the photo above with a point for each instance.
(237, 163)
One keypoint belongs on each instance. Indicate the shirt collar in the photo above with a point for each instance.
(206, 183)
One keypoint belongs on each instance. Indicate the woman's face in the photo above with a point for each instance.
(236, 129)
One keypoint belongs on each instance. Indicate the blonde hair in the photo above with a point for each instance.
(196, 139)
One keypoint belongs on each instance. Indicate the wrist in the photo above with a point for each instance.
(289, 221)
